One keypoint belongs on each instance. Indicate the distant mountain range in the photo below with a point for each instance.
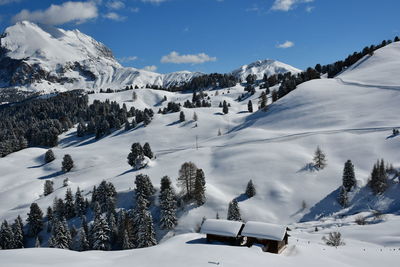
(43, 58)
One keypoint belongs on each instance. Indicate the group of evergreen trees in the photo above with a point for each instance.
(208, 81)
(39, 121)
(136, 158)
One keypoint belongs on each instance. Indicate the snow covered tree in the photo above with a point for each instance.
(379, 179)
(319, 159)
(147, 151)
(35, 220)
(49, 156)
(251, 78)
(79, 205)
(219, 132)
(146, 236)
(181, 116)
(250, 106)
(334, 239)
(82, 241)
(136, 157)
(18, 233)
(144, 187)
(343, 197)
(6, 236)
(65, 182)
(101, 234)
(187, 178)
(60, 236)
(69, 206)
(195, 117)
(167, 199)
(126, 241)
(199, 188)
(349, 178)
(250, 189)
(134, 96)
(234, 211)
(58, 208)
(67, 163)
(48, 187)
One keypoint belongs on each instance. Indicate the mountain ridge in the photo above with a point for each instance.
(43, 58)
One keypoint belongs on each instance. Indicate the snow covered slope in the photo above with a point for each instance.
(273, 148)
(379, 70)
(44, 58)
(261, 67)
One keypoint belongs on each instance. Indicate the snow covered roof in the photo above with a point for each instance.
(264, 230)
(221, 227)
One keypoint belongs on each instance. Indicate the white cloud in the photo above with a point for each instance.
(153, 1)
(78, 12)
(286, 5)
(114, 16)
(286, 44)
(309, 9)
(127, 59)
(175, 57)
(134, 9)
(115, 4)
(150, 68)
(5, 2)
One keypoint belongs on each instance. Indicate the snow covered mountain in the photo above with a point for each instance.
(44, 58)
(261, 67)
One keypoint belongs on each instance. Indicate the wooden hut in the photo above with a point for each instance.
(222, 231)
(273, 237)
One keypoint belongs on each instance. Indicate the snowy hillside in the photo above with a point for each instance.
(350, 117)
(261, 67)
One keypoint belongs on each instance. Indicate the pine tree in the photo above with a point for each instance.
(60, 236)
(83, 243)
(219, 132)
(126, 242)
(195, 117)
(144, 187)
(18, 233)
(379, 179)
(69, 204)
(101, 234)
(263, 101)
(146, 234)
(6, 236)
(49, 156)
(136, 157)
(37, 242)
(225, 108)
(319, 159)
(79, 205)
(250, 189)
(35, 220)
(250, 106)
(81, 129)
(67, 163)
(181, 116)
(147, 151)
(167, 199)
(199, 188)
(58, 208)
(234, 211)
(48, 187)
(349, 178)
(343, 197)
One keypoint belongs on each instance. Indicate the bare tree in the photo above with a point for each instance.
(187, 178)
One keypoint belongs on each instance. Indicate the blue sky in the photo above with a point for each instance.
(218, 35)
